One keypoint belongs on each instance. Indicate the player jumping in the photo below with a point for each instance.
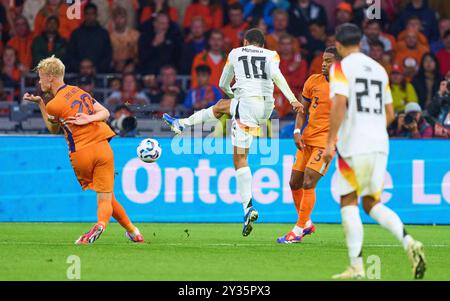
(310, 136)
(255, 70)
(82, 120)
(361, 110)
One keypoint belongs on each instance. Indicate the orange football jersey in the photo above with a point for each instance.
(317, 91)
(68, 101)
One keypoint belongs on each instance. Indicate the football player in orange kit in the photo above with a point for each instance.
(310, 136)
(82, 120)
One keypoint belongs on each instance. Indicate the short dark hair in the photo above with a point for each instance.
(373, 21)
(333, 51)
(203, 69)
(316, 22)
(377, 43)
(90, 6)
(414, 17)
(52, 18)
(122, 107)
(348, 34)
(236, 6)
(255, 37)
(168, 66)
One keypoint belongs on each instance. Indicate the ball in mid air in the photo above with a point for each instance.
(149, 150)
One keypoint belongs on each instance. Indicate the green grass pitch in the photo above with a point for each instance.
(39, 251)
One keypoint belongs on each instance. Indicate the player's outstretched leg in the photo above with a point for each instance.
(119, 214)
(244, 186)
(212, 113)
(104, 212)
(353, 230)
(389, 220)
(174, 123)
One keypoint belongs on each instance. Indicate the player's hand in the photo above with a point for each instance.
(298, 139)
(32, 98)
(329, 152)
(298, 107)
(79, 119)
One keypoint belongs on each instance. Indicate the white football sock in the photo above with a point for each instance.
(353, 229)
(297, 230)
(308, 224)
(389, 220)
(199, 117)
(135, 232)
(244, 186)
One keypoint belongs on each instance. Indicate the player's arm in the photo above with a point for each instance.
(279, 80)
(390, 114)
(52, 125)
(100, 114)
(299, 122)
(226, 78)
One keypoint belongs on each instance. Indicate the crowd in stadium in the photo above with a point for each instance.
(148, 44)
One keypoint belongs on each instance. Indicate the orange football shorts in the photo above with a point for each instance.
(94, 167)
(311, 157)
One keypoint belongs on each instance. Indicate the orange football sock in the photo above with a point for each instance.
(306, 207)
(121, 216)
(104, 211)
(297, 195)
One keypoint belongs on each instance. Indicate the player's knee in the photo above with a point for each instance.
(368, 204)
(221, 107)
(240, 161)
(308, 183)
(295, 184)
(104, 196)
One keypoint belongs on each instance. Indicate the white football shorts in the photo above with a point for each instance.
(362, 173)
(247, 115)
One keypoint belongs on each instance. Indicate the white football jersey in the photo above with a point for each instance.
(365, 83)
(253, 69)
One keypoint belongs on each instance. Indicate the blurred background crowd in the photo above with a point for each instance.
(146, 57)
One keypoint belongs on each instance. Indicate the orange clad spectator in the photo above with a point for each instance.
(209, 10)
(158, 6)
(124, 40)
(59, 9)
(22, 41)
(280, 24)
(294, 69)
(414, 23)
(411, 55)
(106, 7)
(234, 32)
(214, 58)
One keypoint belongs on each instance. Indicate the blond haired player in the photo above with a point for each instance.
(360, 112)
(82, 119)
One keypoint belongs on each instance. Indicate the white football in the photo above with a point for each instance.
(149, 150)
